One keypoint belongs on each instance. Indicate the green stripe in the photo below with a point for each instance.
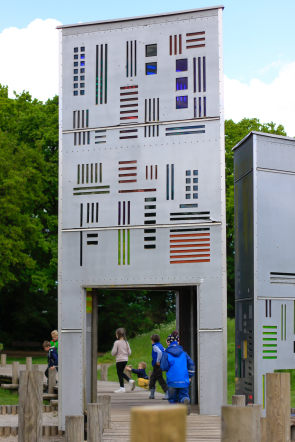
(123, 233)
(269, 339)
(269, 351)
(269, 326)
(128, 246)
(269, 345)
(269, 357)
(119, 247)
(269, 333)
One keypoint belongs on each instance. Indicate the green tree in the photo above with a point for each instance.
(28, 223)
(235, 132)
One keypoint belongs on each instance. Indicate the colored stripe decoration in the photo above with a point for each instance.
(185, 130)
(129, 103)
(269, 339)
(195, 40)
(127, 172)
(189, 247)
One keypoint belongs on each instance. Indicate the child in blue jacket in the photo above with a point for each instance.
(180, 369)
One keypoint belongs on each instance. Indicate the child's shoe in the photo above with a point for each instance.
(132, 384)
(187, 403)
(166, 397)
(121, 390)
(152, 395)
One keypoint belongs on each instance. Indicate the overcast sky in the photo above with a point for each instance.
(259, 54)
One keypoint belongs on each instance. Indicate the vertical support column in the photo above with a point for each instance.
(74, 428)
(177, 310)
(188, 332)
(192, 339)
(94, 319)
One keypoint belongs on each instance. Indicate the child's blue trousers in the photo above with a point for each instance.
(177, 395)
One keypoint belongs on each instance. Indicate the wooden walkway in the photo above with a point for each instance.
(199, 428)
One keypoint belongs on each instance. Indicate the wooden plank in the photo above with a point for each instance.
(278, 407)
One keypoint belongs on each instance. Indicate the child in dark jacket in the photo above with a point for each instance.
(52, 357)
(157, 351)
(143, 379)
(180, 369)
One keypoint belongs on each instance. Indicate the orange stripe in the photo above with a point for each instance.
(174, 246)
(128, 181)
(188, 240)
(189, 234)
(127, 162)
(186, 251)
(127, 174)
(189, 256)
(188, 261)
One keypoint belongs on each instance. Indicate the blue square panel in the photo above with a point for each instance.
(151, 68)
(181, 83)
(182, 102)
(181, 65)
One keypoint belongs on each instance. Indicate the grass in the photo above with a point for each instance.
(230, 359)
(41, 360)
(141, 351)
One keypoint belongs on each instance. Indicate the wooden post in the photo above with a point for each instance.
(239, 424)
(13, 431)
(158, 423)
(94, 423)
(103, 372)
(263, 429)
(13, 409)
(94, 319)
(30, 406)
(3, 360)
(259, 413)
(15, 374)
(51, 380)
(47, 430)
(8, 409)
(29, 363)
(54, 430)
(35, 367)
(105, 400)
(278, 407)
(6, 431)
(74, 428)
(3, 409)
(239, 400)
(1, 431)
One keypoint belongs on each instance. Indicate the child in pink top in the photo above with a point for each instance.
(121, 350)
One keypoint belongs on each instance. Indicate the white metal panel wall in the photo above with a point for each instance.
(168, 178)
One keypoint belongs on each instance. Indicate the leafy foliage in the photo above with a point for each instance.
(28, 223)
